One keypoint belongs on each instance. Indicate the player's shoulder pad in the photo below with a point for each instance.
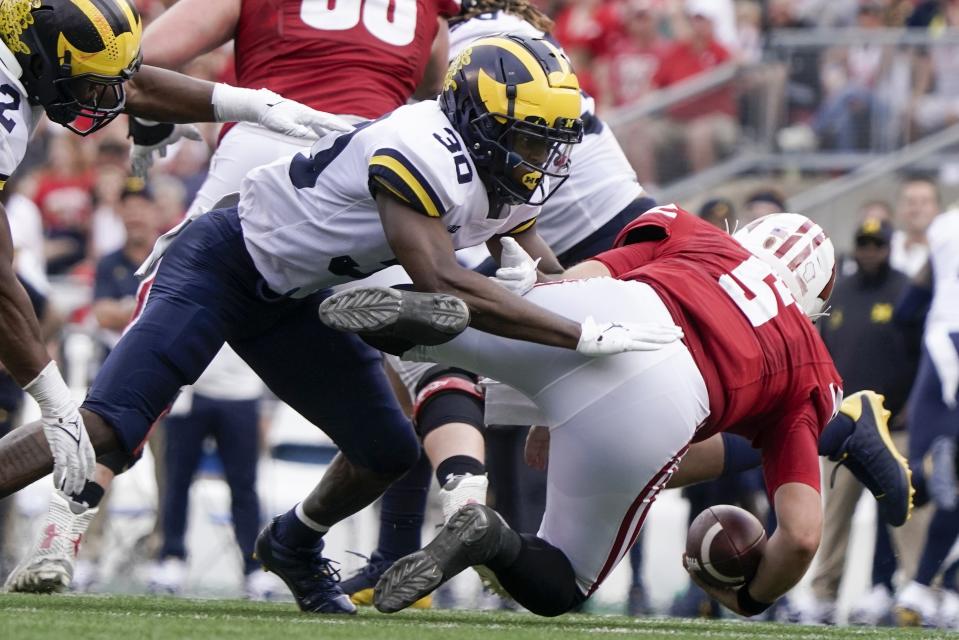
(421, 161)
(653, 225)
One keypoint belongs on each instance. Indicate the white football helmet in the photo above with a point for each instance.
(799, 252)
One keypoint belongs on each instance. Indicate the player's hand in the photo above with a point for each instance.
(607, 338)
(536, 453)
(273, 111)
(294, 119)
(151, 139)
(517, 270)
(724, 596)
(74, 460)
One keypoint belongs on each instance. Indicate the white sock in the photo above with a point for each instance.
(308, 521)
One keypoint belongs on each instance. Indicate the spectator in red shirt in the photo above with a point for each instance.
(586, 29)
(64, 194)
(706, 123)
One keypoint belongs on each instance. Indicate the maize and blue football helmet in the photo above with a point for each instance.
(515, 101)
(75, 56)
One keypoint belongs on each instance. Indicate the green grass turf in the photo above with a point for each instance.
(28, 617)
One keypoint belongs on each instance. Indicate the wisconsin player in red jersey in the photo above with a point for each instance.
(751, 363)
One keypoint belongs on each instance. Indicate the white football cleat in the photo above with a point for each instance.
(49, 566)
(949, 610)
(816, 611)
(460, 491)
(916, 606)
(263, 586)
(872, 608)
(167, 577)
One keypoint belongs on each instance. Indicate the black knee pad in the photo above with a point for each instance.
(119, 461)
(445, 395)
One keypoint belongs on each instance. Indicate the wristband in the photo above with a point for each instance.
(147, 132)
(747, 604)
(236, 104)
(50, 391)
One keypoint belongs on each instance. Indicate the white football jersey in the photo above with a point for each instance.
(18, 118)
(311, 222)
(601, 182)
(943, 235)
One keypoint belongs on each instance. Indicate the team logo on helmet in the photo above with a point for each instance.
(75, 56)
(799, 252)
(516, 102)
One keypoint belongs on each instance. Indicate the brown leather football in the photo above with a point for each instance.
(724, 546)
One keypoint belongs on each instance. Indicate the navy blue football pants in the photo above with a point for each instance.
(206, 291)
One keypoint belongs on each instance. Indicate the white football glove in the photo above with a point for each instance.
(151, 139)
(74, 460)
(273, 111)
(517, 270)
(616, 337)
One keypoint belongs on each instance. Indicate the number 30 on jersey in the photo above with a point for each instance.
(392, 21)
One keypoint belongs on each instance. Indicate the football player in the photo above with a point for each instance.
(407, 188)
(76, 61)
(372, 62)
(751, 363)
(600, 197)
(933, 409)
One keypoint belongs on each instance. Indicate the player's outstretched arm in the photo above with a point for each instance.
(24, 356)
(423, 246)
(167, 96)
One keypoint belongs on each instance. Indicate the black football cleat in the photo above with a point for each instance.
(420, 318)
(871, 456)
(311, 577)
(474, 535)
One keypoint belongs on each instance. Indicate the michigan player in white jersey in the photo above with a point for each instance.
(934, 420)
(79, 62)
(75, 60)
(601, 196)
(409, 187)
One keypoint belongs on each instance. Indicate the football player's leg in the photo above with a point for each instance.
(236, 428)
(336, 382)
(594, 479)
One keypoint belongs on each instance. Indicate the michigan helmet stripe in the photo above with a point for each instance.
(521, 227)
(119, 21)
(99, 20)
(391, 166)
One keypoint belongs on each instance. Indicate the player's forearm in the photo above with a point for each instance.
(168, 96)
(21, 347)
(791, 549)
(495, 310)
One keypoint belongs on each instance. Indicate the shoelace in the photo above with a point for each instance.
(372, 567)
(323, 569)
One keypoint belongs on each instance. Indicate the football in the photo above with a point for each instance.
(724, 546)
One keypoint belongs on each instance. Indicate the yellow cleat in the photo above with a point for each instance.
(871, 456)
(364, 598)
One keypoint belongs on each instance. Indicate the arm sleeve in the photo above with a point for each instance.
(790, 451)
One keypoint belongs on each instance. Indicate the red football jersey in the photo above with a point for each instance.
(359, 57)
(768, 374)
